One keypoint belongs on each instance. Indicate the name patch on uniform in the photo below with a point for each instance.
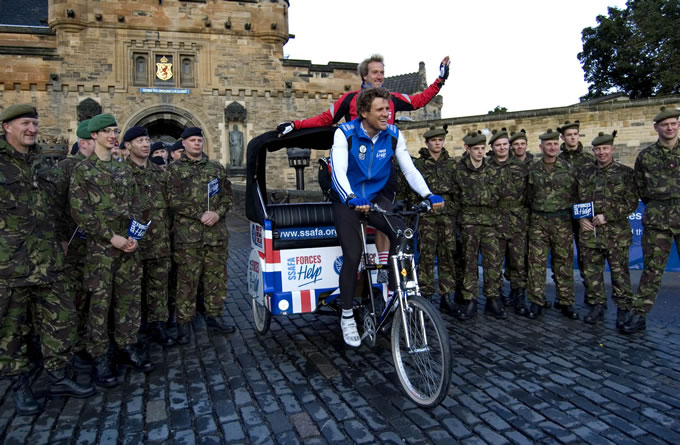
(137, 230)
(583, 210)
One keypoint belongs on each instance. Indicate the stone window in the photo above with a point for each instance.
(140, 70)
(186, 75)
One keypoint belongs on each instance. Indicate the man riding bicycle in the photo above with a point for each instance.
(361, 159)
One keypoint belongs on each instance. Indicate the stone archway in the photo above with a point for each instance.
(166, 123)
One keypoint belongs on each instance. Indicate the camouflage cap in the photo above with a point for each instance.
(101, 121)
(549, 135)
(567, 125)
(604, 139)
(17, 111)
(665, 113)
(521, 134)
(474, 138)
(498, 134)
(83, 130)
(434, 132)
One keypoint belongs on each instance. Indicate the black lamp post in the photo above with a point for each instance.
(298, 158)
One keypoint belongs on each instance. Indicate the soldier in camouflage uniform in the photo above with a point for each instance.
(104, 200)
(657, 177)
(550, 194)
(610, 187)
(513, 217)
(200, 233)
(436, 233)
(475, 186)
(31, 262)
(73, 239)
(154, 247)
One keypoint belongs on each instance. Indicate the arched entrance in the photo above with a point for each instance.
(164, 122)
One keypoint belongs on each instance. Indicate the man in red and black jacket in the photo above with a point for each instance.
(372, 73)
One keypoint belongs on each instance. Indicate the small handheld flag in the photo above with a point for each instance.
(583, 210)
(213, 189)
(137, 230)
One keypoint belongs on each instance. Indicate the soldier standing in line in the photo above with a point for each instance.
(103, 203)
(154, 247)
(657, 177)
(518, 143)
(176, 151)
(551, 192)
(437, 230)
(199, 196)
(610, 187)
(476, 188)
(73, 240)
(31, 265)
(513, 218)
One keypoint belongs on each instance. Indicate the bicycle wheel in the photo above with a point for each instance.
(262, 317)
(424, 369)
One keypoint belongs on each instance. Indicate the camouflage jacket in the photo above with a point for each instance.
(476, 190)
(104, 197)
(438, 176)
(657, 177)
(529, 159)
(551, 190)
(152, 183)
(66, 227)
(579, 158)
(512, 177)
(612, 192)
(29, 251)
(188, 198)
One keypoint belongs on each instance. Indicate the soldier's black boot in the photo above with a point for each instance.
(495, 307)
(636, 322)
(534, 311)
(509, 299)
(622, 316)
(183, 333)
(24, 401)
(82, 362)
(447, 304)
(468, 310)
(595, 314)
(520, 302)
(216, 324)
(569, 312)
(59, 384)
(102, 374)
(160, 335)
(128, 356)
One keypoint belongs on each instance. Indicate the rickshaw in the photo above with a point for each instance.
(295, 262)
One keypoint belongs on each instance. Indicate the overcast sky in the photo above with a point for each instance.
(517, 54)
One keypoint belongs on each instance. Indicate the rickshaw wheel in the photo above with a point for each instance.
(262, 318)
(368, 326)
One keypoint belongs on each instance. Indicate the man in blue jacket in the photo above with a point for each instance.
(361, 159)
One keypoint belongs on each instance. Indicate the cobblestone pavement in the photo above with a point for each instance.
(514, 381)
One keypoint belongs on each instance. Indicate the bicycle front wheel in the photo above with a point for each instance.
(424, 363)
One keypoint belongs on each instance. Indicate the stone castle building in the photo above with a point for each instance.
(166, 65)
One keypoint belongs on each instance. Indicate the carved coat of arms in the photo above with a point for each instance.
(164, 69)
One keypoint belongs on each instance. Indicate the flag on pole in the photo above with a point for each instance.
(213, 189)
(583, 210)
(137, 230)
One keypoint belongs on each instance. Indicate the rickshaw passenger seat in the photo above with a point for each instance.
(307, 214)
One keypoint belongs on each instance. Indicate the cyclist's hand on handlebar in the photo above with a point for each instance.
(436, 201)
(359, 204)
(285, 127)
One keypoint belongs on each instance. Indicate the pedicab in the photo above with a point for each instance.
(295, 262)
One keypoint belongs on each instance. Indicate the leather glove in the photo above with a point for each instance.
(443, 71)
(285, 127)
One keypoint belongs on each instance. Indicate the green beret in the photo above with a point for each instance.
(495, 135)
(83, 130)
(101, 121)
(604, 139)
(521, 134)
(17, 111)
(549, 135)
(665, 114)
(434, 132)
(567, 125)
(474, 139)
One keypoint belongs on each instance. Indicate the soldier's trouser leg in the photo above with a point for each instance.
(427, 250)
(656, 246)
(14, 329)
(189, 271)
(155, 286)
(127, 300)
(592, 260)
(492, 261)
(470, 240)
(575, 228)
(57, 310)
(215, 279)
(618, 259)
(562, 248)
(446, 268)
(515, 260)
(503, 246)
(539, 246)
(73, 280)
(101, 264)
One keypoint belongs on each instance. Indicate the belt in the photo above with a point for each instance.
(564, 213)
(510, 204)
(664, 202)
(477, 209)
